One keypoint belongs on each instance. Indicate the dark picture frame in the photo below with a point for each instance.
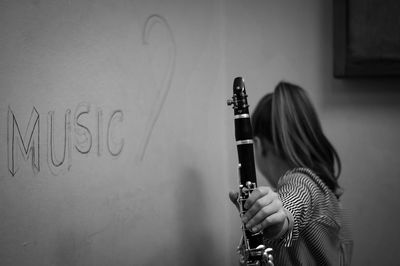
(366, 38)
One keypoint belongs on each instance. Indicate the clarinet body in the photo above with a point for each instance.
(252, 250)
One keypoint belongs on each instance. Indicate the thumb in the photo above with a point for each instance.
(233, 196)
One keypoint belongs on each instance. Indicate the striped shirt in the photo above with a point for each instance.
(318, 233)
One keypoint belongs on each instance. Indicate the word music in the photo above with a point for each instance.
(91, 131)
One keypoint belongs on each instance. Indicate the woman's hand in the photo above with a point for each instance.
(265, 212)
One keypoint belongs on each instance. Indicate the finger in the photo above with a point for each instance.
(255, 195)
(268, 197)
(233, 196)
(263, 213)
(256, 207)
(270, 221)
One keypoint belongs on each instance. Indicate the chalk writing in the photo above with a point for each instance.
(29, 144)
(58, 166)
(165, 85)
(59, 155)
(82, 133)
(99, 132)
(111, 138)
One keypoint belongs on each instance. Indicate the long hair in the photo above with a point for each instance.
(289, 121)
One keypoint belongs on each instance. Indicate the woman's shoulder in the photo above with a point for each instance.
(304, 178)
(301, 176)
(323, 203)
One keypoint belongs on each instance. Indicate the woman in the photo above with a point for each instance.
(300, 214)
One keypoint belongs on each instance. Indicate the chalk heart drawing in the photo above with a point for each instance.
(165, 85)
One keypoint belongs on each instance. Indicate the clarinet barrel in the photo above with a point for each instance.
(252, 250)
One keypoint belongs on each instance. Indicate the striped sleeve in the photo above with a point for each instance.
(296, 199)
(318, 233)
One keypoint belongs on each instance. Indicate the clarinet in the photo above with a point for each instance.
(252, 250)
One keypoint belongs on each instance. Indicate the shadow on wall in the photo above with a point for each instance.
(196, 240)
(196, 245)
(72, 249)
(359, 92)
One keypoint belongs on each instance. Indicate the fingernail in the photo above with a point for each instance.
(254, 229)
(244, 219)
